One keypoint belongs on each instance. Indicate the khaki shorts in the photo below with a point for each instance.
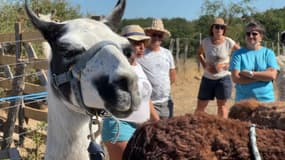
(164, 109)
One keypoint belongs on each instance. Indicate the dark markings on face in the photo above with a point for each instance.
(106, 90)
(109, 92)
(64, 56)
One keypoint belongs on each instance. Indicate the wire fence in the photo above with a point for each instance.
(36, 98)
(26, 62)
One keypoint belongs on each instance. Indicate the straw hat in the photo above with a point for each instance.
(157, 26)
(134, 32)
(219, 21)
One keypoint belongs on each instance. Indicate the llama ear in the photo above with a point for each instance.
(115, 17)
(37, 12)
(53, 12)
(42, 25)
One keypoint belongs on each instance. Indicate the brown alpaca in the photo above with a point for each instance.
(271, 115)
(202, 137)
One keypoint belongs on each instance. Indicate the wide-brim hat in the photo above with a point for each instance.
(135, 33)
(219, 21)
(157, 26)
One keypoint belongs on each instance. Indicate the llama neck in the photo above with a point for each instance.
(67, 132)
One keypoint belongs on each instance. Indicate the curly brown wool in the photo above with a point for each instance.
(271, 115)
(201, 137)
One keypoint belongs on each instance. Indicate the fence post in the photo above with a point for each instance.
(2, 49)
(186, 51)
(171, 45)
(177, 52)
(32, 56)
(278, 44)
(198, 61)
(18, 88)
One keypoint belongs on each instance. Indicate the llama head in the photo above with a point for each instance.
(106, 79)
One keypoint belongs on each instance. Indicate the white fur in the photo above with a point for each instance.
(67, 127)
(280, 80)
(68, 130)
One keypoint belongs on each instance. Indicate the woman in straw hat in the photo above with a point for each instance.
(159, 67)
(254, 67)
(117, 132)
(214, 55)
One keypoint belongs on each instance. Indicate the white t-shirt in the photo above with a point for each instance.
(215, 54)
(143, 113)
(156, 66)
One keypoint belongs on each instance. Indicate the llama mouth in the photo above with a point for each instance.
(118, 99)
(118, 113)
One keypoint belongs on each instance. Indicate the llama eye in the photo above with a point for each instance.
(73, 53)
(66, 52)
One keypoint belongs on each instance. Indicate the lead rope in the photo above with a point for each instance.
(95, 150)
(252, 139)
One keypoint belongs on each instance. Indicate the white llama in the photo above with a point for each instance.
(87, 72)
(280, 81)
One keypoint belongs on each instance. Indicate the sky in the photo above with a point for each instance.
(188, 9)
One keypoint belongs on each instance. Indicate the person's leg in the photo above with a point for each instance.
(222, 108)
(206, 93)
(223, 93)
(170, 107)
(201, 105)
(162, 110)
(115, 135)
(116, 150)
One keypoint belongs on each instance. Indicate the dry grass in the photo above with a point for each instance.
(185, 89)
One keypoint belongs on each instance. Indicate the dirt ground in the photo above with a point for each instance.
(185, 89)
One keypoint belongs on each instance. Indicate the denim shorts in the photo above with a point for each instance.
(220, 89)
(117, 130)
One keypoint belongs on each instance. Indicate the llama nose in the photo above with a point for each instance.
(124, 101)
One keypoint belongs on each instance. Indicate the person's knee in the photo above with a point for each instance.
(221, 103)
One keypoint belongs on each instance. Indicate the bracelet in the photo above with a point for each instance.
(251, 74)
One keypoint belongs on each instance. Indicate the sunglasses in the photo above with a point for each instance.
(251, 33)
(157, 35)
(219, 26)
(138, 43)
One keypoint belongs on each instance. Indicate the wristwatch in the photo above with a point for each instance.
(251, 74)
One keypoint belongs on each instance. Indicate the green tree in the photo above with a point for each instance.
(12, 11)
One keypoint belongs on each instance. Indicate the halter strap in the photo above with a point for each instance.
(252, 140)
(66, 77)
(74, 74)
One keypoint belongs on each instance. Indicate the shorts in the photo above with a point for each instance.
(164, 109)
(220, 89)
(117, 130)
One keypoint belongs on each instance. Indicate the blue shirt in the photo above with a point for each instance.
(254, 60)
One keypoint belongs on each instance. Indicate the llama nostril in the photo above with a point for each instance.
(122, 83)
(124, 101)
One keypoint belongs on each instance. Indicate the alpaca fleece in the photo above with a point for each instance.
(202, 137)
